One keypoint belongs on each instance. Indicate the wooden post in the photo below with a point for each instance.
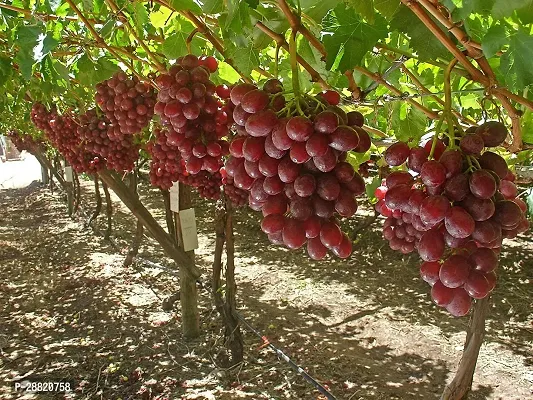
(188, 290)
(461, 384)
(159, 234)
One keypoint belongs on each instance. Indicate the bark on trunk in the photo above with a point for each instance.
(235, 341)
(134, 248)
(108, 211)
(461, 384)
(188, 290)
(98, 197)
(77, 191)
(169, 216)
(159, 234)
(226, 305)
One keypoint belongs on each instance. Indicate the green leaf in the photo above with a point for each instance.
(317, 9)
(6, 69)
(364, 7)
(494, 40)
(52, 5)
(175, 45)
(107, 28)
(27, 36)
(25, 61)
(186, 5)
(408, 122)
(505, 8)
(516, 60)
(160, 18)
(87, 5)
(227, 73)
(371, 188)
(61, 70)
(427, 46)
(387, 8)
(527, 127)
(245, 59)
(140, 16)
(347, 38)
(212, 6)
(238, 17)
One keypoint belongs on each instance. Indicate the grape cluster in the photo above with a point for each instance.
(238, 197)
(197, 122)
(166, 165)
(40, 116)
(23, 142)
(127, 103)
(291, 161)
(99, 136)
(454, 205)
(196, 119)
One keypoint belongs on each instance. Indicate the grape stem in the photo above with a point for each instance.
(436, 137)
(447, 113)
(190, 38)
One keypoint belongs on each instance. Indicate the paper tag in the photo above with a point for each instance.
(188, 229)
(68, 174)
(175, 200)
(175, 187)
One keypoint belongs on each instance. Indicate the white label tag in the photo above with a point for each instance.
(175, 200)
(68, 174)
(175, 187)
(188, 229)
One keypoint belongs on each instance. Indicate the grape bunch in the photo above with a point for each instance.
(187, 104)
(454, 205)
(166, 165)
(40, 116)
(290, 157)
(24, 142)
(127, 103)
(101, 137)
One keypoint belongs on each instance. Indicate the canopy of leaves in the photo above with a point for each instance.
(48, 53)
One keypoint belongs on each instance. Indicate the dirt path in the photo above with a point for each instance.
(366, 327)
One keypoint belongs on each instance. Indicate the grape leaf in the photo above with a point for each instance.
(5, 70)
(175, 45)
(52, 5)
(408, 122)
(348, 38)
(140, 16)
(245, 59)
(527, 126)
(365, 8)
(516, 61)
(160, 18)
(27, 36)
(495, 38)
(317, 9)
(212, 6)
(371, 188)
(427, 46)
(505, 8)
(227, 73)
(387, 8)
(25, 62)
(186, 5)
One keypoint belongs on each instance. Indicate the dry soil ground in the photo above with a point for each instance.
(364, 327)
